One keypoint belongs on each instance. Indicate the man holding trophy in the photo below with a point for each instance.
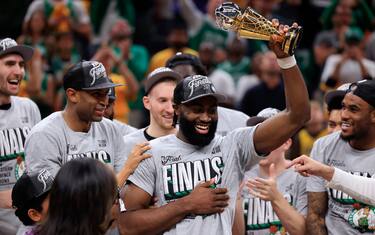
(195, 174)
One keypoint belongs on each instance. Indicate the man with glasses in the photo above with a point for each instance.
(352, 149)
(79, 130)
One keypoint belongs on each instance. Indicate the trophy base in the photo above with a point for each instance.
(292, 40)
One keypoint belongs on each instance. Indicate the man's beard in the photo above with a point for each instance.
(188, 129)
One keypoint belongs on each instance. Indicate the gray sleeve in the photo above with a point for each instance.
(35, 113)
(301, 195)
(243, 140)
(145, 175)
(120, 152)
(42, 151)
(315, 183)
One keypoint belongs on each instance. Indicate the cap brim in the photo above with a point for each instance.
(334, 97)
(25, 51)
(219, 97)
(105, 85)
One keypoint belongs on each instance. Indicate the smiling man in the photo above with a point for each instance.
(352, 149)
(17, 116)
(194, 173)
(79, 130)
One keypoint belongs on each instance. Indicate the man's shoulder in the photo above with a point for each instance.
(328, 140)
(24, 101)
(135, 137)
(51, 125)
(232, 113)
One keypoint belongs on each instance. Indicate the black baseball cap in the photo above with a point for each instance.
(30, 187)
(334, 98)
(10, 46)
(159, 75)
(186, 59)
(262, 116)
(365, 89)
(195, 87)
(87, 75)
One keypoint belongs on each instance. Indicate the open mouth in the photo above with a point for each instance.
(345, 126)
(202, 128)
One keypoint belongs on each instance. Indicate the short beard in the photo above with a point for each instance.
(188, 129)
(347, 138)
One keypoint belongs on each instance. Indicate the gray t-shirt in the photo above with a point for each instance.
(177, 167)
(260, 219)
(15, 125)
(133, 139)
(124, 129)
(345, 215)
(52, 143)
(229, 120)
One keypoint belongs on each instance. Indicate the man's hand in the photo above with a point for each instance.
(205, 200)
(307, 166)
(276, 41)
(265, 189)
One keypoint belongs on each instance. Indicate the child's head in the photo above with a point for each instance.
(30, 197)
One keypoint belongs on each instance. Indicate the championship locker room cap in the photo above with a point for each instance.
(364, 89)
(195, 87)
(159, 75)
(10, 46)
(30, 187)
(87, 75)
(262, 116)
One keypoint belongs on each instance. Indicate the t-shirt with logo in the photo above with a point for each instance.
(15, 124)
(176, 167)
(132, 139)
(260, 218)
(52, 143)
(345, 215)
(230, 119)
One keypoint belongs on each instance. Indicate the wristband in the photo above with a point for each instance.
(287, 62)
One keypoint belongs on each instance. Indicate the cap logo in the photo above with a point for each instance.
(7, 43)
(44, 176)
(97, 71)
(197, 82)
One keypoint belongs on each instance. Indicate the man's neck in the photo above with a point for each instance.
(4, 99)
(363, 144)
(156, 131)
(73, 121)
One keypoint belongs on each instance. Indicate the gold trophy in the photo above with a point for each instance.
(252, 25)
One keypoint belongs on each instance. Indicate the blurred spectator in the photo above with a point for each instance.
(350, 66)
(270, 91)
(104, 14)
(222, 80)
(237, 63)
(314, 129)
(361, 14)
(136, 58)
(248, 81)
(202, 27)
(177, 40)
(63, 15)
(65, 55)
(107, 57)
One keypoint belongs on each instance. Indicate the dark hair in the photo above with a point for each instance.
(187, 59)
(81, 197)
(36, 204)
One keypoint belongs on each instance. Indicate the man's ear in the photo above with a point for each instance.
(72, 95)
(34, 215)
(146, 102)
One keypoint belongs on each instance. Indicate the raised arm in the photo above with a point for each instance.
(273, 132)
(140, 219)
